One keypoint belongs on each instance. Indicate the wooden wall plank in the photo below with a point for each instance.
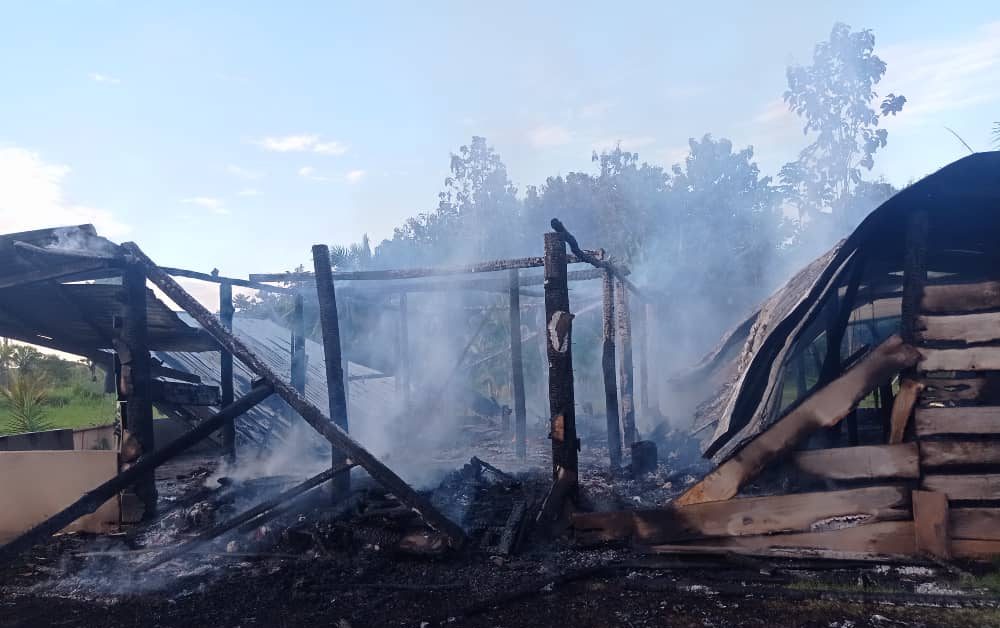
(975, 549)
(930, 522)
(964, 487)
(968, 359)
(969, 297)
(975, 523)
(967, 328)
(967, 420)
(867, 462)
(958, 452)
(983, 389)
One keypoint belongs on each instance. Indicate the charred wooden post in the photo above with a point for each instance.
(559, 327)
(326, 294)
(403, 352)
(226, 312)
(310, 413)
(642, 331)
(137, 377)
(914, 274)
(92, 499)
(299, 363)
(517, 367)
(625, 367)
(608, 371)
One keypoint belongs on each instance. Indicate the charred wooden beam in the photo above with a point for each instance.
(414, 273)
(226, 312)
(626, 370)
(867, 462)
(914, 273)
(310, 413)
(608, 372)
(133, 353)
(642, 333)
(517, 366)
(159, 370)
(559, 350)
(56, 272)
(214, 277)
(330, 324)
(92, 499)
(185, 394)
(961, 298)
(299, 358)
(247, 516)
(593, 258)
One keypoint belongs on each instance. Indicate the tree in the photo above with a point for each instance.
(25, 398)
(836, 97)
(6, 361)
(25, 357)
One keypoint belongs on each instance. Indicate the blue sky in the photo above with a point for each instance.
(235, 135)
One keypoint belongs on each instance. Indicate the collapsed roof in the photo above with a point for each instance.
(743, 376)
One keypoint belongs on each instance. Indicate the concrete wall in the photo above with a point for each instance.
(37, 484)
(99, 437)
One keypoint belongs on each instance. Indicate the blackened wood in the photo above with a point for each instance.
(185, 394)
(403, 352)
(246, 516)
(517, 366)
(559, 350)
(226, 312)
(642, 334)
(310, 413)
(914, 273)
(299, 363)
(330, 324)
(608, 372)
(138, 370)
(626, 371)
(414, 273)
(232, 281)
(594, 258)
(92, 499)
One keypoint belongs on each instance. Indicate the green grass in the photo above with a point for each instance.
(76, 403)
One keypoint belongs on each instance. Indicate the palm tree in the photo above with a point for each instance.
(6, 360)
(25, 397)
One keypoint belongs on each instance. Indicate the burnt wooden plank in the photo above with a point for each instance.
(946, 453)
(866, 462)
(965, 487)
(136, 375)
(184, 394)
(985, 358)
(226, 312)
(966, 328)
(985, 389)
(958, 420)
(824, 409)
(930, 523)
(517, 365)
(608, 372)
(749, 516)
(969, 297)
(975, 549)
(626, 370)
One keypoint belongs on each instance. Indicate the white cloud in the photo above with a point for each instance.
(242, 173)
(97, 77)
(31, 197)
(632, 144)
(329, 148)
(549, 136)
(302, 144)
(214, 205)
(248, 192)
(354, 176)
(944, 75)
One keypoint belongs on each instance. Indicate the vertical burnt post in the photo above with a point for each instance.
(625, 369)
(299, 363)
(517, 366)
(330, 325)
(559, 350)
(914, 274)
(226, 312)
(403, 353)
(136, 372)
(608, 371)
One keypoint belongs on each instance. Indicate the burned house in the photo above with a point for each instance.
(855, 413)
